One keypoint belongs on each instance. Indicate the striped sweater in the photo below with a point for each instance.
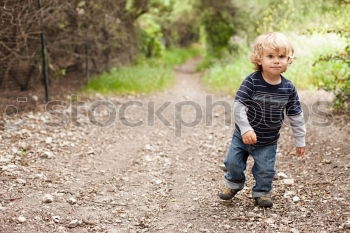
(261, 106)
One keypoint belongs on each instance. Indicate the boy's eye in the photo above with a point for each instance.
(282, 56)
(270, 56)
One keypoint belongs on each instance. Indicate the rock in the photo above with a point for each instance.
(35, 98)
(346, 225)
(288, 181)
(74, 223)
(21, 219)
(40, 176)
(157, 181)
(269, 221)
(90, 221)
(48, 140)
(296, 199)
(287, 194)
(148, 147)
(72, 201)
(8, 168)
(47, 198)
(48, 155)
(282, 175)
(294, 230)
(21, 181)
(56, 219)
(327, 161)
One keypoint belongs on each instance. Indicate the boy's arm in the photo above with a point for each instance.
(299, 130)
(241, 118)
(296, 117)
(242, 100)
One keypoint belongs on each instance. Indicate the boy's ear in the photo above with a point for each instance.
(259, 62)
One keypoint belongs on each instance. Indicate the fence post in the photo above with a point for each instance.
(43, 54)
(87, 56)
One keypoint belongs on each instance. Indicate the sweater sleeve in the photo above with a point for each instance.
(296, 117)
(299, 130)
(241, 103)
(241, 118)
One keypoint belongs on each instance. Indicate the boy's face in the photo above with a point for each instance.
(274, 62)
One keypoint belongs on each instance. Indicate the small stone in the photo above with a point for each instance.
(35, 98)
(148, 147)
(346, 225)
(282, 175)
(287, 194)
(48, 155)
(90, 221)
(288, 181)
(56, 219)
(9, 168)
(21, 219)
(294, 230)
(327, 161)
(72, 200)
(47, 198)
(117, 220)
(296, 199)
(39, 176)
(74, 223)
(21, 181)
(48, 140)
(269, 221)
(157, 181)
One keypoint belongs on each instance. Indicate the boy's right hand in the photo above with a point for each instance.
(249, 137)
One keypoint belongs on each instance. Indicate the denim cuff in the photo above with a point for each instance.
(260, 194)
(235, 186)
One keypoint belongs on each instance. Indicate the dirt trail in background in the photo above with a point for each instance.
(79, 177)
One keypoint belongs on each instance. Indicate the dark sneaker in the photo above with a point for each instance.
(263, 201)
(227, 193)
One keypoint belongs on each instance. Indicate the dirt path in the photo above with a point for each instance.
(156, 177)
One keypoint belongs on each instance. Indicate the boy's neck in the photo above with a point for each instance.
(271, 79)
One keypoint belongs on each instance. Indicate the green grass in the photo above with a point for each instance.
(145, 76)
(227, 77)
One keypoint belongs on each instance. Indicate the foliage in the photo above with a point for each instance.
(79, 34)
(307, 50)
(332, 72)
(151, 37)
(217, 28)
(310, 26)
(167, 23)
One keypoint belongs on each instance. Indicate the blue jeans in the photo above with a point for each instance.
(263, 169)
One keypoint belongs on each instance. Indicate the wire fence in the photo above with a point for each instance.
(44, 40)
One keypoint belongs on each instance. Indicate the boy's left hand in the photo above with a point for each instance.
(300, 151)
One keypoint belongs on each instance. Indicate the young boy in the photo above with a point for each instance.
(259, 108)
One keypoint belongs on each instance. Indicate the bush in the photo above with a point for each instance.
(332, 73)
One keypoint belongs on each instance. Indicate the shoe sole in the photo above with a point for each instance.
(264, 205)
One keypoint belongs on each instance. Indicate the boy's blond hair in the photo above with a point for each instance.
(273, 40)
